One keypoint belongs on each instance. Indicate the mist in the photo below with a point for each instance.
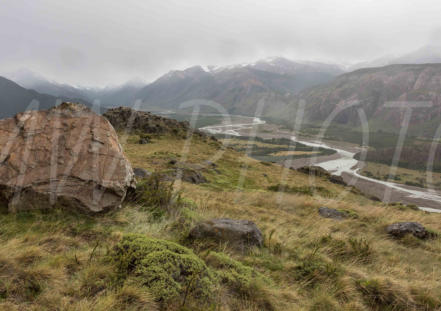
(109, 42)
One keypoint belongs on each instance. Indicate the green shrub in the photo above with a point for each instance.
(156, 195)
(170, 271)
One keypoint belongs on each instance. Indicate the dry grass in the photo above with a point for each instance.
(56, 260)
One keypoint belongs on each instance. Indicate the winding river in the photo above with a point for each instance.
(347, 167)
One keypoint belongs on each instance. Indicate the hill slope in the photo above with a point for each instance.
(56, 259)
(373, 88)
(14, 98)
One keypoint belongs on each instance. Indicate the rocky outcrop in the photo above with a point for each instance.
(400, 229)
(127, 119)
(66, 157)
(237, 233)
(333, 213)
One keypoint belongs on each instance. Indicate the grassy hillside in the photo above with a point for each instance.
(58, 260)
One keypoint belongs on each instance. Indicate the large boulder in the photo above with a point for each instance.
(400, 229)
(67, 156)
(237, 233)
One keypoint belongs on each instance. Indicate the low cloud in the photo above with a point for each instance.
(108, 42)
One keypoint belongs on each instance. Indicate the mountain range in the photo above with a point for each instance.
(279, 81)
(15, 98)
(236, 87)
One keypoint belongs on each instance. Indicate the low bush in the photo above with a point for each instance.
(156, 195)
(170, 271)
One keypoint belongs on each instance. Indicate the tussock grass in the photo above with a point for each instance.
(59, 260)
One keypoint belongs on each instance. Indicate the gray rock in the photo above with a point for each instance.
(327, 212)
(210, 164)
(140, 172)
(193, 176)
(237, 233)
(400, 229)
(185, 174)
(91, 173)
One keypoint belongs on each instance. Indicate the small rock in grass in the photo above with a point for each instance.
(400, 229)
(140, 172)
(327, 212)
(238, 233)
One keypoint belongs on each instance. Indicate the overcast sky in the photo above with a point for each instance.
(101, 42)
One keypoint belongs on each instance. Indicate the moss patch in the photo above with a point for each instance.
(168, 270)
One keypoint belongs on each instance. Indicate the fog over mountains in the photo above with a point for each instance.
(279, 81)
(236, 86)
(428, 54)
(15, 98)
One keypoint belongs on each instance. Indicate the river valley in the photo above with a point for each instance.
(341, 163)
